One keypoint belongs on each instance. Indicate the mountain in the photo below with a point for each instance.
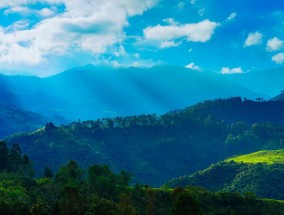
(7, 98)
(236, 109)
(92, 92)
(14, 120)
(278, 98)
(14, 93)
(269, 82)
(157, 148)
(260, 172)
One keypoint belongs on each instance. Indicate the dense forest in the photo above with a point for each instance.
(98, 190)
(157, 148)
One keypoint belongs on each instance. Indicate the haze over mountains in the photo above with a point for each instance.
(269, 82)
(92, 92)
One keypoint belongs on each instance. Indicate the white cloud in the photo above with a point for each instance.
(171, 21)
(169, 44)
(192, 66)
(180, 5)
(84, 26)
(193, 1)
(232, 16)
(18, 9)
(253, 39)
(18, 25)
(274, 44)
(45, 12)
(196, 32)
(278, 58)
(227, 70)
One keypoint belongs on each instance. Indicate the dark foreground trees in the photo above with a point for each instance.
(99, 191)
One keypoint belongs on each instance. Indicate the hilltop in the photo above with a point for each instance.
(260, 172)
(267, 157)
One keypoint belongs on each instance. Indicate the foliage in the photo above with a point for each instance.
(157, 148)
(262, 176)
(103, 192)
(265, 156)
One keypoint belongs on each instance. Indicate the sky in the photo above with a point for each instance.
(44, 37)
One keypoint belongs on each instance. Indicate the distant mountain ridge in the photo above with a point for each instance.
(280, 97)
(14, 120)
(269, 82)
(94, 92)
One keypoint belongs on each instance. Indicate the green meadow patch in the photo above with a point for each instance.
(267, 156)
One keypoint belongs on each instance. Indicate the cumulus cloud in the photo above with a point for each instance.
(278, 58)
(83, 26)
(26, 11)
(170, 21)
(192, 66)
(227, 70)
(274, 44)
(253, 39)
(196, 32)
(169, 44)
(232, 16)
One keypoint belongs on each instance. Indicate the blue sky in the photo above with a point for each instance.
(43, 37)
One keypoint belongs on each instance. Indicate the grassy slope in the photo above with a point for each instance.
(266, 156)
(260, 172)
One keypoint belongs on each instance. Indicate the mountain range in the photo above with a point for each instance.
(93, 92)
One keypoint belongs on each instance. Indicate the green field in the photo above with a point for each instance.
(267, 156)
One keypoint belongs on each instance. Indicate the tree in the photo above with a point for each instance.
(185, 205)
(71, 201)
(101, 180)
(15, 158)
(40, 208)
(125, 178)
(47, 172)
(150, 202)
(49, 126)
(27, 167)
(4, 156)
(125, 206)
(69, 175)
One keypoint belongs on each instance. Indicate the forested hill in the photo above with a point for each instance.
(238, 109)
(158, 148)
(260, 172)
(98, 190)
